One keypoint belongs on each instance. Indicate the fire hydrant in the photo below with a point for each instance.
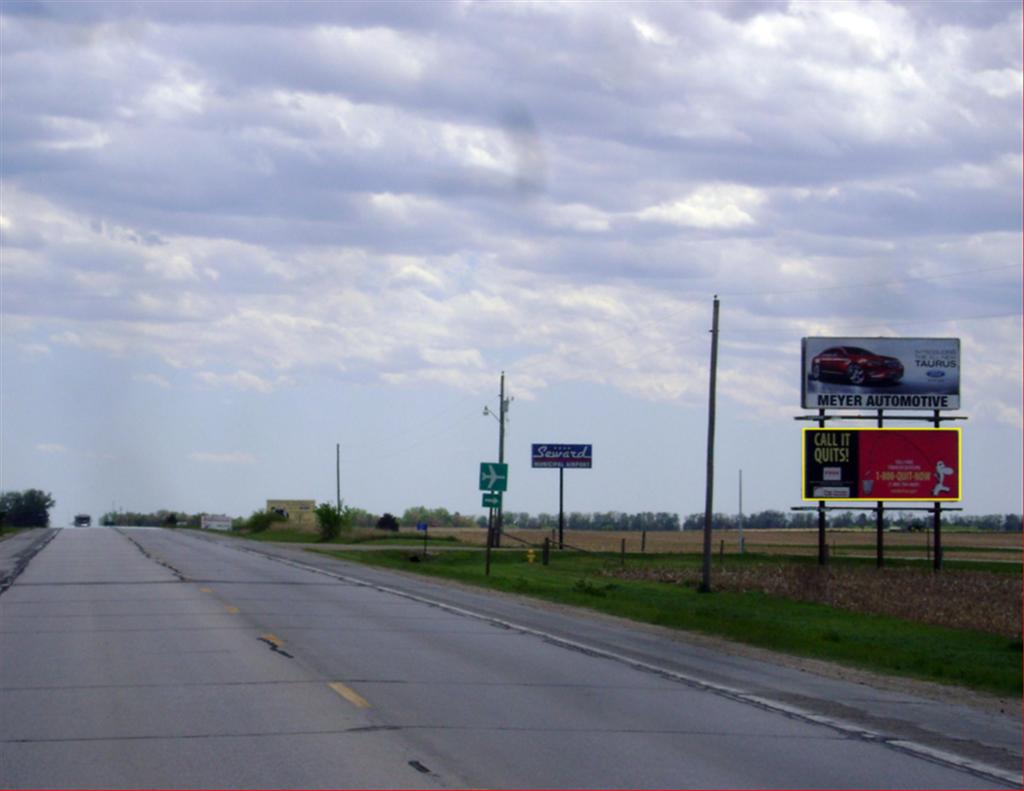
(530, 556)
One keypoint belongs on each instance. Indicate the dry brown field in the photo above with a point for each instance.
(842, 542)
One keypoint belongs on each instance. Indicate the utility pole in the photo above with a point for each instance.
(705, 584)
(337, 474)
(495, 516)
(502, 409)
(742, 548)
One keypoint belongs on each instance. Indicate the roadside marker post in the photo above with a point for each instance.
(423, 527)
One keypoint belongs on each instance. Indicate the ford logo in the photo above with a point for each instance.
(935, 374)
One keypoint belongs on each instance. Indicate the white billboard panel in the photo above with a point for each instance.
(215, 522)
(881, 373)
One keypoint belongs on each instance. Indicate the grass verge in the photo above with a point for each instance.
(882, 644)
(292, 536)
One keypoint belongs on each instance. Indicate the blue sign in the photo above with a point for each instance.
(421, 525)
(562, 456)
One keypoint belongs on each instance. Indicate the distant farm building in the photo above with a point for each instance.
(299, 513)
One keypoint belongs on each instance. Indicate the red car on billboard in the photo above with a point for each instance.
(856, 365)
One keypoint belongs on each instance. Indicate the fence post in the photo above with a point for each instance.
(622, 553)
(546, 552)
(643, 541)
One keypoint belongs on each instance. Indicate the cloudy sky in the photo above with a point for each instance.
(235, 234)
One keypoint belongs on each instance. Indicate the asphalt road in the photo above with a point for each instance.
(165, 659)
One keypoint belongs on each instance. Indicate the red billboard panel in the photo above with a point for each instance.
(882, 464)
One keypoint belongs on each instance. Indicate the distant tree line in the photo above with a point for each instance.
(161, 518)
(30, 508)
(900, 520)
(521, 520)
(607, 520)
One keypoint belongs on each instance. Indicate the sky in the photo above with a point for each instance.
(237, 234)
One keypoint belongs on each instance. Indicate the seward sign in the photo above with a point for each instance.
(550, 455)
(881, 373)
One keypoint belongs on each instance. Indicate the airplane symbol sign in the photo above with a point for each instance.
(493, 477)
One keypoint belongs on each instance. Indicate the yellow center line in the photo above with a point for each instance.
(233, 610)
(350, 695)
(206, 590)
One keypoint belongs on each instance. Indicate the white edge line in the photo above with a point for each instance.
(849, 728)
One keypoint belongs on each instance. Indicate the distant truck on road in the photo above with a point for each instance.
(83, 520)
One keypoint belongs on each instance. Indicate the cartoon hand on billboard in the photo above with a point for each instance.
(941, 471)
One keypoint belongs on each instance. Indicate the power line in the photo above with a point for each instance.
(872, 284)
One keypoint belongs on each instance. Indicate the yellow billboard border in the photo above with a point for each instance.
(803, 466)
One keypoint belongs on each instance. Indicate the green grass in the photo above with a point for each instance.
(385, 539)
(885, 645)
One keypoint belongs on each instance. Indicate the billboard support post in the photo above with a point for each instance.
(937, 516)
(490, 536)
(822, 548)
(561, 508)
(880, 515)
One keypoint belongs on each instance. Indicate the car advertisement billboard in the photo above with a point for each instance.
(565, 456)
(881, 373)
(882, 464)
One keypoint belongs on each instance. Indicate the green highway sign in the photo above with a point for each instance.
(493, 477)
(491, 500)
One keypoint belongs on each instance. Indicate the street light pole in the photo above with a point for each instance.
(502, 408)
(494, 536)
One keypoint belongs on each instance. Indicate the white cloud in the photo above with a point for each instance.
(35, 349)
(173, 267)
(234, 457)
(651, 32)
(241, 380)
(175, 95)
(711, 206)
(52, 447)
(70, 134)
(579, 217)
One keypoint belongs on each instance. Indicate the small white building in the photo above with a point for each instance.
(215, 522)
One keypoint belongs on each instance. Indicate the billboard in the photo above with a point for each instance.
(564, 456)
(215, 522)
(880, 373)
(882, 464)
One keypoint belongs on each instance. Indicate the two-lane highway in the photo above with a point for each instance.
(155, 658)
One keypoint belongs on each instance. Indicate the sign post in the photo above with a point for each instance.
(423, 528)
(560, 456)
(493, 481)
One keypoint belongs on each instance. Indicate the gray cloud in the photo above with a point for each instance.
(203, 182)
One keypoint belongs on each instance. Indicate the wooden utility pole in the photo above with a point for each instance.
(705, 585)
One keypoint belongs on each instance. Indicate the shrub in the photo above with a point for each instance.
(332, 520)
(262, 520)
(388, 522)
